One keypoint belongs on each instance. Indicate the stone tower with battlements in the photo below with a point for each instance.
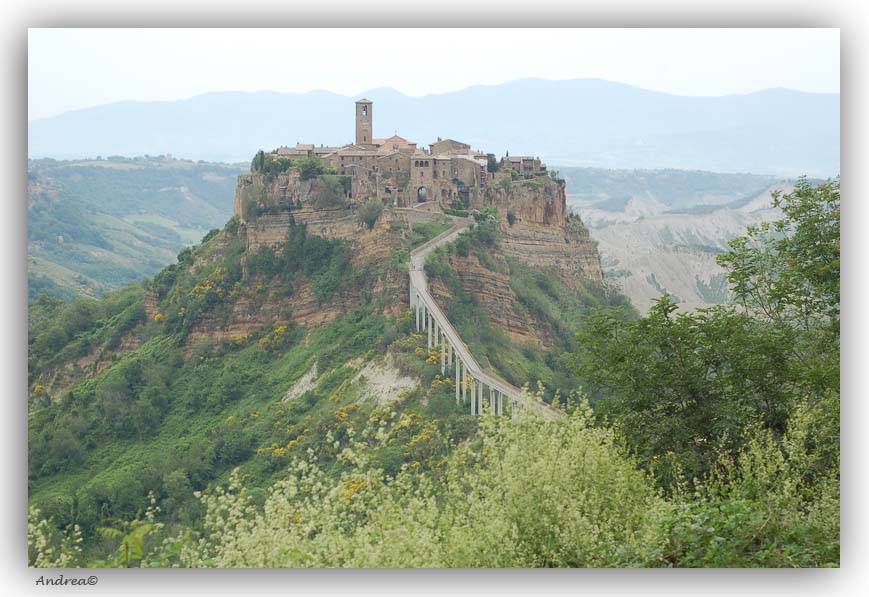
(364, 116)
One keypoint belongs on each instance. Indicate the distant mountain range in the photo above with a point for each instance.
(581, 122)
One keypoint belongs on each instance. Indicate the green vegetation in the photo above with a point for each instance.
(331, 192)
(546, 302)
(758, 385)
(713, 440)
(97, 225)
(272, 165)
(492, 165)
(369, 212)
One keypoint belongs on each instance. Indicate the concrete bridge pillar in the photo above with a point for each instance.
(428, 328)
(443, 351)
(458, 381)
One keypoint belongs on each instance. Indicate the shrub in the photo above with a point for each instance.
(369, 212)
(328, 193)
(310, 167)
(528, 493)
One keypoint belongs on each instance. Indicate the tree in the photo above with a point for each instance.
(259, 162)
(788, 270)
(328, 193)
(369, 212)
(787, 273)
(491, 163)
(310, 167)
(684, 386)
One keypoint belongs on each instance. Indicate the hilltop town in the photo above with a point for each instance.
(327, 189)
(449, 174)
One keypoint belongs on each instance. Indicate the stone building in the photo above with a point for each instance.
(399, 172)
(523, 164)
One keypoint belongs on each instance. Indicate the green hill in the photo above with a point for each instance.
(99, 224)
(168, 426)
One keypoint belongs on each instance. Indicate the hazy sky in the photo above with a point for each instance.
(77, 68)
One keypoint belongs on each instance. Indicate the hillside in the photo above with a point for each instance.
(95, 225)
(654, 191)
(657, 229)
(268, 402)
(661, 230)
(276, 335)
(582, 122)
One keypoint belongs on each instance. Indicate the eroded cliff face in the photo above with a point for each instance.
(568, 251)
(543, 233)
(258, 193)
(492, 290)
(370, 252)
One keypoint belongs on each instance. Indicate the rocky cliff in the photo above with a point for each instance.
(538, 229)
(492, 290)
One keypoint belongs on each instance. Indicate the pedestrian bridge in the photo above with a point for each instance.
(476, 384)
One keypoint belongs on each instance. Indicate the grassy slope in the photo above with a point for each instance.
(120, 219)
(157, 421)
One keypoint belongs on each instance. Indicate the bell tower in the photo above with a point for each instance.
(363, 122)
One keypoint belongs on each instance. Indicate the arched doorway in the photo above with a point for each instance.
(421, 195)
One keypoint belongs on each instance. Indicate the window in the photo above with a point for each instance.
(364, 110)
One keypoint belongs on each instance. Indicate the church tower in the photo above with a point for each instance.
(363, 122)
